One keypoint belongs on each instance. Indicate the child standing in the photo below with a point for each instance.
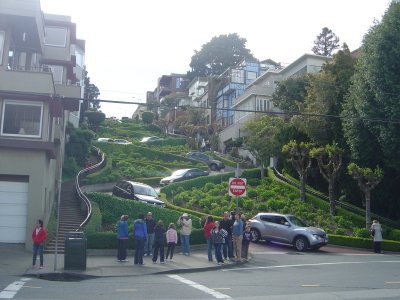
(246, 242)
(172, 239)
(159, 233)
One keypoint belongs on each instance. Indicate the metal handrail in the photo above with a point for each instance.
(85, 201)
(342, 204)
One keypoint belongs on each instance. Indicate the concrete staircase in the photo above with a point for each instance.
(70, 216)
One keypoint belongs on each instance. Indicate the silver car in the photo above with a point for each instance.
(287, 229)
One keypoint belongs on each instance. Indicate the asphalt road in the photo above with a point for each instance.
(274, 272)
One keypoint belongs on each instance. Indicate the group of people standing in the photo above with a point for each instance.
(150, 237)
(230, 238)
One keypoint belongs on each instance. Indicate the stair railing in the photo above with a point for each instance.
(86, 206)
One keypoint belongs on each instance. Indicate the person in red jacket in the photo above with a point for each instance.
(38, 238)
(207, 234)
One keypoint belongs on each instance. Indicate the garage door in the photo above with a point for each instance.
(13, 210)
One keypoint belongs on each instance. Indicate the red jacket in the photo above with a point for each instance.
(207, 229)
(40, 237)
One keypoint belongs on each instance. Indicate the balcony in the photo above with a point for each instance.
(32, 81)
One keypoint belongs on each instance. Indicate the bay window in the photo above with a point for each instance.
(22, 118)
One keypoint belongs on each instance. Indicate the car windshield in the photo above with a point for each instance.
(179, 172)
(142, 190)
(296, 221)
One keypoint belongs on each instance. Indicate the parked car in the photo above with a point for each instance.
(183, 174)
(137, 191)
(122, 142)
(105, 140)
(286, 229)
(151, 139)
(213, 164)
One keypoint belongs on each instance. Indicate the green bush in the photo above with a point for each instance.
(112, 208)
(94, 223)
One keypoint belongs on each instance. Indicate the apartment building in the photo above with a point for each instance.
(256, 99)
(41, 81)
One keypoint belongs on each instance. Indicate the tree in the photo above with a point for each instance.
(219, 54)
(324, 96)
(290, 92)
(147, 117)
(94, 119)
(299, 156)
(326, 42)
(374, 94)
(329, 160)
(367, 180)
(91, 93)
(262, 138)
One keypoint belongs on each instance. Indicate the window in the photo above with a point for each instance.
(251, 75)
(2, 38)
(238, 76)
(57, 73)
(80, 58)
(55, 36)
(22, 118)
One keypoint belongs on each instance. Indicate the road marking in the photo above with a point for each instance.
(310, 285)
(32, 287)
(12, 289)
(392, 282)
(126, 290)
(200, 287)
(308, 265)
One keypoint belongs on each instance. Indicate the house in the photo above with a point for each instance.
(256, 99)
(41, 83)
(233, 83)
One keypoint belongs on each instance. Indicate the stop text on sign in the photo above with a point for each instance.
(237, 187)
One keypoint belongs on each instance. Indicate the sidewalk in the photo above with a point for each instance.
(15, 260)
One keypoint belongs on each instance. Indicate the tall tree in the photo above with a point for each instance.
(374, 94)
(326, 42)
(219, 54)
(367, 180)
(329, 160)
(262, 138)
(299, 156)
(325, 94)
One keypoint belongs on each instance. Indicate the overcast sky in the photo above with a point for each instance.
(130, 44)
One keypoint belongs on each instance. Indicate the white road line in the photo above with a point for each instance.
(307, 265)
(200, 287)
(12, 289)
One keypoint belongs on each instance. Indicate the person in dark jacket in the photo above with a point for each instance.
(226, 223)
(150, 223)
(159, 237)
(38, 238)
(246, 242)
(140, 235)
(122, 236)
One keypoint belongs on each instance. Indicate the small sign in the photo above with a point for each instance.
(237, 187)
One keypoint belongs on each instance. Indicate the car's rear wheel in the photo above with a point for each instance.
(255, 235)
(300, 243)
(213, 167)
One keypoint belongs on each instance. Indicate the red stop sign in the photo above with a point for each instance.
(237, 187)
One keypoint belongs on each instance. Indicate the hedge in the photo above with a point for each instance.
(321, 204)
(364, 243)
(108, 239)
(172, 188)
(112, 208)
